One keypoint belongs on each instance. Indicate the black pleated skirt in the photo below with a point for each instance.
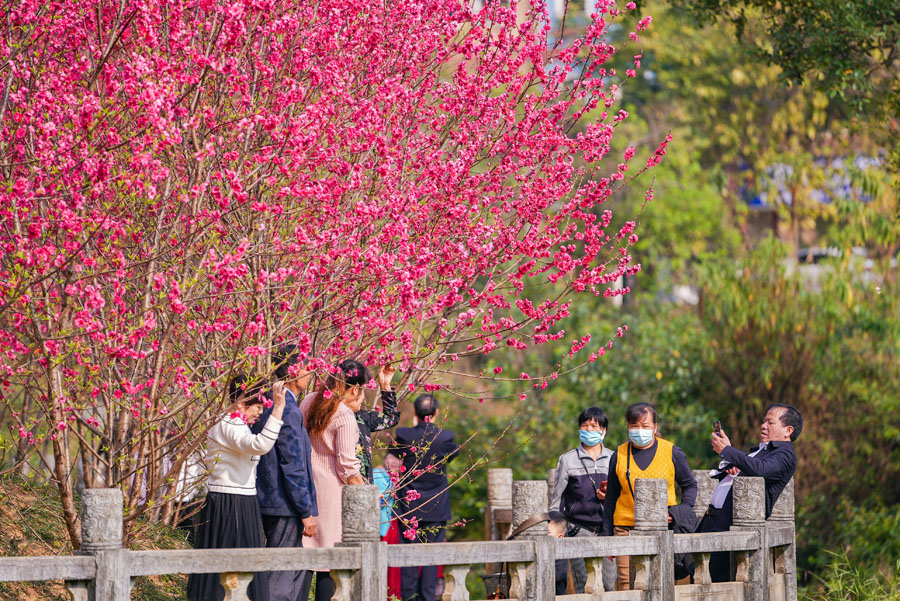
(227, 522)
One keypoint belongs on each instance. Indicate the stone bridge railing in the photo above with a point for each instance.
(762, 551)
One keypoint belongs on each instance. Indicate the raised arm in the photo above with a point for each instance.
(769, 465)
(236, 435)
(384, 419)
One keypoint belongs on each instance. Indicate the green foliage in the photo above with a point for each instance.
(845, 580)
(843, 47)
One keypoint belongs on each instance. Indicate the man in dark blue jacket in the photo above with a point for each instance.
(284, 482)
(423, 499)
(774, 460)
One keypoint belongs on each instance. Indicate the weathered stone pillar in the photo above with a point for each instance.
(654, 574)
(752, 567)
(101, 537)
(786, 562)
(360, 517)
(499, 489)
(529, 497)
(500, 485)
(705, 488)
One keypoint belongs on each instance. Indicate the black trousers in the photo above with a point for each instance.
(719, 562)
(419, 583)
(283, 532)
(562, 576)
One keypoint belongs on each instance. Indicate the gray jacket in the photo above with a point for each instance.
(578, 476)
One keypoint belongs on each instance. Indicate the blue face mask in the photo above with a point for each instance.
(640, 437)
(590, 438)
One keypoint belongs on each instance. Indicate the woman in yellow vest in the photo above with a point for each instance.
(644, 456)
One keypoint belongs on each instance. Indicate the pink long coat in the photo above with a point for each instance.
(334, 462)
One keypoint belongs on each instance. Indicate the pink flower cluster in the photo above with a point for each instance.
(191, 184)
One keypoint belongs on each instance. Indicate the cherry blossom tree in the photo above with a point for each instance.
(189, 184)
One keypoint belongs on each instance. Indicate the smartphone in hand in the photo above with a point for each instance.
(717, 426)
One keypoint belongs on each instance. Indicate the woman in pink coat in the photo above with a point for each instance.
(330, 416)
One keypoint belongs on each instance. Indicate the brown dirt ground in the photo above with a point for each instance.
(31, 524)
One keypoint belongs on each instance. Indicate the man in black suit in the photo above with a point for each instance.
(423, 499)
(774, 459)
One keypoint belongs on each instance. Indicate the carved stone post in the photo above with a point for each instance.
(360, 517)
(786, 561)
(705, 488)
(749, 514)
(529, 497)
(101, 536)
(654, 574)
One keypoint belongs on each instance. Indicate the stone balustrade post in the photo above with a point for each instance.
(499, 492)
(360, 522)
(654, 574)
(535, 581)
(786, 558)
(705, 488)
(101, 537)
(749, 513)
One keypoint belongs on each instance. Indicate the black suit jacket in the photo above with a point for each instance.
(425, 451)
(776, 463)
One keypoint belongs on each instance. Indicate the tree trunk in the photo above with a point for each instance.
(66, 493)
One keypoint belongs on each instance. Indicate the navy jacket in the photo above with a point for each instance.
(284, 480)
(776, 463)
(425, 451)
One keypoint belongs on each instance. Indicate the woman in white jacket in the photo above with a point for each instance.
(230, 517)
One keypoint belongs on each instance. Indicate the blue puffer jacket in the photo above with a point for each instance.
(284, 480)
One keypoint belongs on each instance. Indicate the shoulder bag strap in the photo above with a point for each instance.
(628, 472)
(588, 472)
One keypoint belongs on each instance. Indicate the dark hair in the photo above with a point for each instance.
(558, 519)
(425, 405)
(241, 387)
(635, 412)
(790, 417)
(285, 357)
(594, 413)
(350, 373)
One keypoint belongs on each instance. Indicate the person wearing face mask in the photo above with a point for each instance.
(645, 455)
(773, 459)
(580, 488)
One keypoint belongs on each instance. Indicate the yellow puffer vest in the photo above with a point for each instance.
(662, 466)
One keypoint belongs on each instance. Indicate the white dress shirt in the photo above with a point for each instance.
(721, 492)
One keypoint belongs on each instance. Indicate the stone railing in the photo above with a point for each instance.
(762, 552)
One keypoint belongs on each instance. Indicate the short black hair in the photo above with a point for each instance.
(790, 417)
(594, 413)
(425, 405)
(241, 387)
(285, 357)
(558, 519)
(635, 412)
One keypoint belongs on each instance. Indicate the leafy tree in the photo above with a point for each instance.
(188, 185)
(850, 50)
